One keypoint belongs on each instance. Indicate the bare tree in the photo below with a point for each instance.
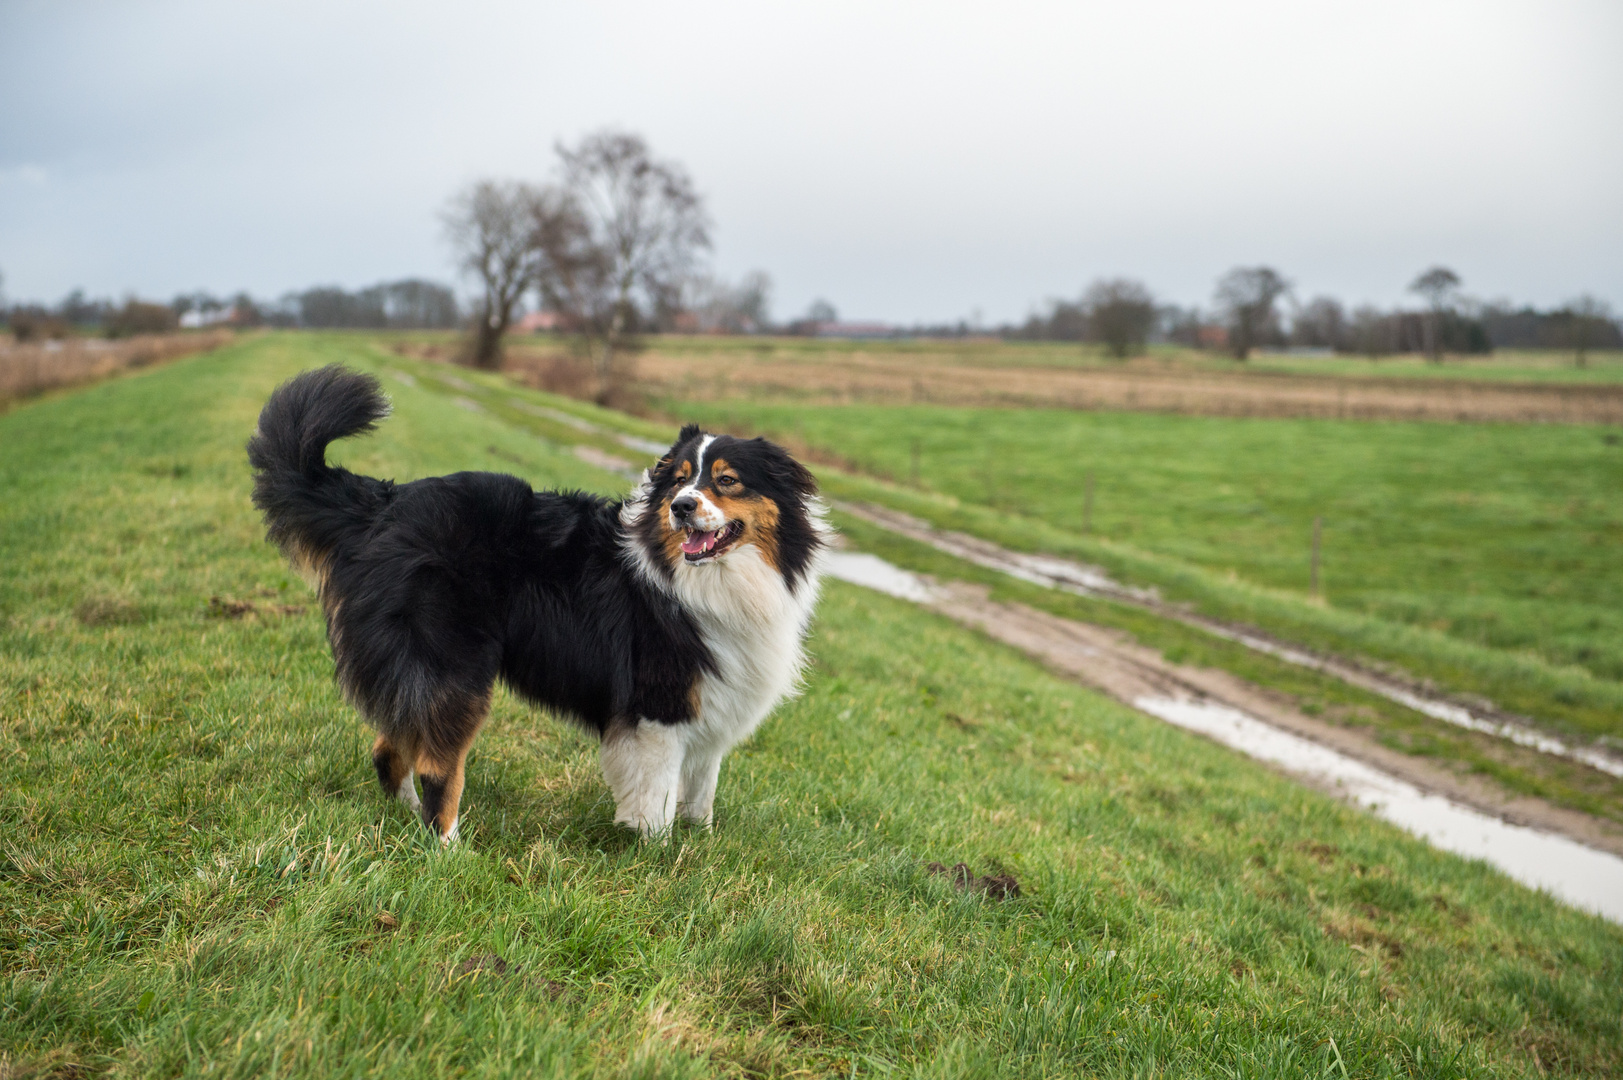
(1246, 295)
(1438, 286)
(1320, 323)
(489, 226)
(1589, 317)
(509, 236)
(1120, 313)
(721, 307)
(646, 223)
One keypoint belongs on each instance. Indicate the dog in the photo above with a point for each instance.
(669, 624)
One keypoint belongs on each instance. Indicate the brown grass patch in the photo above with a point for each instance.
(861, 377)
(1364, 936)
(225, 607)
(33, 368)
(108, 611)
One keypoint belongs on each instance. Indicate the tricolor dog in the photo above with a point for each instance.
(669, 624)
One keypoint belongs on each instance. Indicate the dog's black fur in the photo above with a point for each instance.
(434, 589)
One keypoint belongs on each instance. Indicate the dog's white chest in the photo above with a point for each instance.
(754, 627)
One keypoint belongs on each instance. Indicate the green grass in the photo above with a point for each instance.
(199, 876)
(1503, 536)
(1578, 703)
(1515, 769)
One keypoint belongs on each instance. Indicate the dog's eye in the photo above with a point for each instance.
(727, 481)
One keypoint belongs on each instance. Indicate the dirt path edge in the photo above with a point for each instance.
(1108, 661)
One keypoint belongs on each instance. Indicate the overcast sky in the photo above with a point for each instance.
(905, 161)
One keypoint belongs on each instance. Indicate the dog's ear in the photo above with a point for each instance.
(785, 470)
(688, 433)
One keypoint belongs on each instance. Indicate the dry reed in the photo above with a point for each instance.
(32, 368)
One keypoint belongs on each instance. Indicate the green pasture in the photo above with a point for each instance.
(199, 876)
(1504, 365)
(1567, 698)
(1497, 535)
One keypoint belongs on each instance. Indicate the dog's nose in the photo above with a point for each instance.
(684, 506)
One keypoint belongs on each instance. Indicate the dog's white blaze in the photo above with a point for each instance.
(708, 517)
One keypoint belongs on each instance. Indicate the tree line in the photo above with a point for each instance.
(608, 247)
(1256, 308)
(410, 304)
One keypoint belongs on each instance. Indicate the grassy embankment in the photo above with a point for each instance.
(1482, 556)
(1514, 768)
(199, 875)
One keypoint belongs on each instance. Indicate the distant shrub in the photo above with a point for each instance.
(37, 326)
(1121, 314)
(136, 317)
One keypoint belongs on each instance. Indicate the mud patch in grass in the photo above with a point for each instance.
(224, 607)
(997, 886)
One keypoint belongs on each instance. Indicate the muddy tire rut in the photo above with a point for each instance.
(1109, 661)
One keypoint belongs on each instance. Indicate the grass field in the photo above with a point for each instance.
(1505, 536)
(1577, 703)
(200, 877)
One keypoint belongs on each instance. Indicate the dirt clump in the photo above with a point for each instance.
(224, 607)
(998, 886)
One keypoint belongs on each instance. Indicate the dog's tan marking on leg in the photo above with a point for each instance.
(394, 766)
(441, 768)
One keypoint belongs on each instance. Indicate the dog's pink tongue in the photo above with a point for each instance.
(697, 542)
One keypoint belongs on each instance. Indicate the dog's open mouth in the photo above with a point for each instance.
(699, 546)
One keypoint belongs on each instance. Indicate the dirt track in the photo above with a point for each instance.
(1109, 661)
(860, 377)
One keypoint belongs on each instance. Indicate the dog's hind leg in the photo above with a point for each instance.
(395, 763)
(643, 764)
(440, 767)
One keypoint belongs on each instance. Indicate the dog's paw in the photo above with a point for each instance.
(654, 831)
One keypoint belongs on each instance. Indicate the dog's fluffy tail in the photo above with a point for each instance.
(308, 505)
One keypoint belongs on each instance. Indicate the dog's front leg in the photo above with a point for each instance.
(699, 771)
(643, 765)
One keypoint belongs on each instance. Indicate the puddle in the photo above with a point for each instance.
(870, 571)
(1445, 711)
(1578, 875)
(1582, 876)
